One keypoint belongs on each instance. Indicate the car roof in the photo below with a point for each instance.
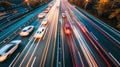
(40, 29)
(4, 48)
(14, 41)
(45, 19)
(42, 13)
(25, 28)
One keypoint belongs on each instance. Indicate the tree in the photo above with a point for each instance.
(5, 4)
(116, 14)
(101, 6)
(86, 2)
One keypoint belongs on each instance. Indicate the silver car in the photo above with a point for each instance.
(40, 33)
(26, 30)
(44, 22)
(8, 49)
(41, 15)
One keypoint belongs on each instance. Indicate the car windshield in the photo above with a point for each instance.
(29, 28)
(42, 14)
(42, 29)
(44, 20)
(37, 31)
(40, 32)
(24, 30)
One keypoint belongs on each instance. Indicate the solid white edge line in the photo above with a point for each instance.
(45, 33)
(93, 35)
(102, 28)
(114, 58)
(33, 61)
(14, 59)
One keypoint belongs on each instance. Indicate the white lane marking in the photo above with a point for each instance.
(81, 59)
(94, 35)
(29, 48)
(108, 26)
(62, 37)
(45, 33)
(61, 21)
(27, 53)
(13, 30)
(112, 37)
(22, 52)
(82, 47)
(33, 61)
(109, 35)
(57, 53)
(114, 58)
(104, 30)
(32, 35)
(14, 59)
(101, 22)
(33, 53)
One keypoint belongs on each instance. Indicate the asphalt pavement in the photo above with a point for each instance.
(90, 43)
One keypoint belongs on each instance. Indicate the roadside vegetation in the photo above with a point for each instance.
(8, 5)
(106, 10)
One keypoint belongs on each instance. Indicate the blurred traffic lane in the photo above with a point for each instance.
(67, 60)
(110, 31)
(33, 53)
(80, 42)
(85, 21)
(103, 40)
(50, 49)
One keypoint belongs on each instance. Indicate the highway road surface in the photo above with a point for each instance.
(71, 38)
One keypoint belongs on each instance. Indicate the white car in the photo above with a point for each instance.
(48, 8)
(63, 15)
(8, 49)
(50, 5)
(40, 32)
(26, 30)
(46, 11)
(41, 15)
(44, 22)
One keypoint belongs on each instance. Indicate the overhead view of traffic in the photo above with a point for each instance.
(57, 34)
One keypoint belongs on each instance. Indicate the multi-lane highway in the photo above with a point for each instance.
(71, 38)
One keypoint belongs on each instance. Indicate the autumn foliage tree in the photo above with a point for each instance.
(107, 10)
(116, 14)
(5, 4)
(102, 6)
(34, 3)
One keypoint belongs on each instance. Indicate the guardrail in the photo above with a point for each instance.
(7, 21)
(15, 33)
(16, 16)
